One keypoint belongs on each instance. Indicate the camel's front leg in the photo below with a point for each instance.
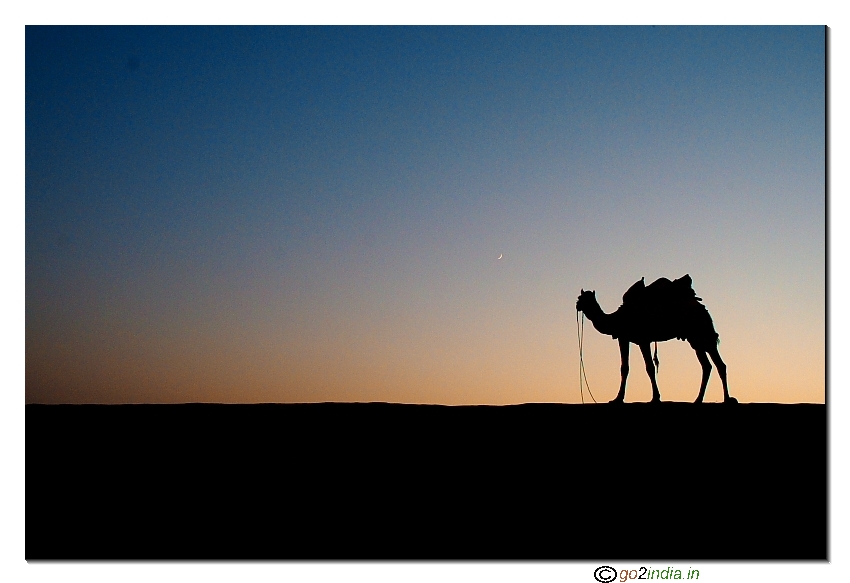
(624, 370)
(650, 370)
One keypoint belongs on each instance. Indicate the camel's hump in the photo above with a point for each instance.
(660, 290)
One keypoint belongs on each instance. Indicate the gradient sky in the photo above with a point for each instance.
(315, 214)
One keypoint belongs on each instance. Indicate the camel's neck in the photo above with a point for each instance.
(604, 323)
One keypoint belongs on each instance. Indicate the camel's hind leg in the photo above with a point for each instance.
(706, 372)
(650, 370)
(721, 369)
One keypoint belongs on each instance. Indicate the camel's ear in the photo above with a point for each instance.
(582, 291)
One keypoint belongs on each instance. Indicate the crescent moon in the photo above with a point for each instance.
(500, 256)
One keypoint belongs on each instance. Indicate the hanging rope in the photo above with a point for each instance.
(657, 364)
(582, 374)
(580, 368)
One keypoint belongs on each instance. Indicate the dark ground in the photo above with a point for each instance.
(383, 481)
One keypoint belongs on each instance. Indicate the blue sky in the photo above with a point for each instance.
(316, 213)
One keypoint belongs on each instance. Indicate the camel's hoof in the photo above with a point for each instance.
(658, 400)
(698, 402)
(615, 402)
(731, 401)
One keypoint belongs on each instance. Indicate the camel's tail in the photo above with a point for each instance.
(699, 328)
(711, 331)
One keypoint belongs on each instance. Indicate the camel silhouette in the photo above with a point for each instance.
(660, 311)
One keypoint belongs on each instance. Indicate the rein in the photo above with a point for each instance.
(582, 374)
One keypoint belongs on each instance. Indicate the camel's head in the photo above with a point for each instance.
(587, 298)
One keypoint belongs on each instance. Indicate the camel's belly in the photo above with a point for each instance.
(693, 325)
(653, 332)
(648, 339)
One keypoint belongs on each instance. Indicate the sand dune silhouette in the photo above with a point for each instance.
(390, 481)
